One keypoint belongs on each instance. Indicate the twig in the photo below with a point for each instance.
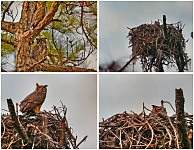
(84, 139)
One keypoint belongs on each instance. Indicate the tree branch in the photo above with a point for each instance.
(6, 10)
(46, 21)
(9, 26)
(57, 68)
(17, 124)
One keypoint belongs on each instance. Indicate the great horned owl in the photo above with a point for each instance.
(39, 52)
(38, 14)
(34, 101)
(158, 110)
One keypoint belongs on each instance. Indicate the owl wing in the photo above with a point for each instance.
(31, 101)
(28, 103)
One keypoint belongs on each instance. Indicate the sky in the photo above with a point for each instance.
(77, 92)
(115, 17)
(127, 92)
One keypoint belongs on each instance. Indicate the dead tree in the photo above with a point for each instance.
(180, 115)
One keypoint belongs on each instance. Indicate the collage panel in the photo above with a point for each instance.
(44, 111)
(140, 111)
(49, 36)
(156, 38)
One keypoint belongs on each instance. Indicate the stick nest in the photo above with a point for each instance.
(155, 44)
(49, 130)
(156, 130)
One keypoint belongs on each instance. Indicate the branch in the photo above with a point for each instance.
(10, 26)
(57, 68)
(84, 139)
(6, 10)
(17, 124)
(46, 21)
(82, 25)
(120, 70)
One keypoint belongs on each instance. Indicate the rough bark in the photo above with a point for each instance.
(183, 137)
(17, 125)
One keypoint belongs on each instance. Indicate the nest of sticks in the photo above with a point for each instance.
(140, 131)
(49, 130)
(158, 44)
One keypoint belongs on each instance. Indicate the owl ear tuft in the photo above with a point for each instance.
(37, 84)
(45, 85)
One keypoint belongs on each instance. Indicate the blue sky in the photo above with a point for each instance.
(115, 17)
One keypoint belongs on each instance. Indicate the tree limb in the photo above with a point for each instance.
(57, 68)
(46, 21)
(17, 124)
(9, 26)
(6, 10)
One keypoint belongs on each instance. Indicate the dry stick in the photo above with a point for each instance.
(175, 132)
(120, 70)
(17, 124)
(152, 135)
(84, 139)
(120, 141)
(45, 135)
(169, 104)
(3, 129)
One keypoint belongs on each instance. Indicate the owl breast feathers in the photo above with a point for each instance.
(34, 101)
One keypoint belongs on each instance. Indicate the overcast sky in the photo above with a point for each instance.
(119, 93)
(77, 92)
(115, 17)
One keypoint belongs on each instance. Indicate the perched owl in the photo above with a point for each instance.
(40, 51)
(34, 101)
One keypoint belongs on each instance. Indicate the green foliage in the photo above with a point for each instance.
(6, 48)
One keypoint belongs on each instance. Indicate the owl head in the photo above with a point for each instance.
(41, 40)
(157, 109)
(41, 88)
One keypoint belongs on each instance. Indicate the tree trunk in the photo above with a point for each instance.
(183, 137)
(23, 57)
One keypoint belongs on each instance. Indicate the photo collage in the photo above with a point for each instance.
(97, 74)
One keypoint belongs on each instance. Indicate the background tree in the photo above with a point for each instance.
(68, 29)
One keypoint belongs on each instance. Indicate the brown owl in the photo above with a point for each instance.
(158, 109)
(39, 52)
(34, 101)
